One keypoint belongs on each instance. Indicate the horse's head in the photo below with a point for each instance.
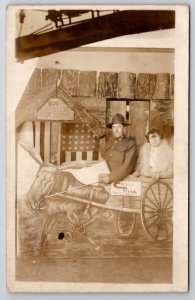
(40, 187)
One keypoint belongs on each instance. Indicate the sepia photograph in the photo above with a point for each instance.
(97, 148)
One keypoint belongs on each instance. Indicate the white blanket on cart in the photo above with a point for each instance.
(86, 172)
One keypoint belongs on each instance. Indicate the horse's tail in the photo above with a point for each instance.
(31, 151)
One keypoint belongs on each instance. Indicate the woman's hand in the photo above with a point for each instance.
(105, 178)
(136, 174)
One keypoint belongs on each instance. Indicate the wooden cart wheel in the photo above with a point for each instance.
(125, 223)
(157, 210)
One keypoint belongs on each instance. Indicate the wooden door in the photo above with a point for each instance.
(138, 117)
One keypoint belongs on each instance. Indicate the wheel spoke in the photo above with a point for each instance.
(165, 198)
(166, 229)
(169, 201)
(150, 207)
(155, 197)
(148, 213)
(151, 202)
(169, 208)
(158, 230)
(152, 223)
(159, 194)
(151, 217)
(157, 210)
(169, 221)
(169, 215)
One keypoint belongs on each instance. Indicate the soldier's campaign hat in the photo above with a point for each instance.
(118, 118)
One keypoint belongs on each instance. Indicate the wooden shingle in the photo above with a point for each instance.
(70, 81)
(145, 86)
(49, 77)
(162, 86)
(108, 84)
(126, 85)
(87, 83)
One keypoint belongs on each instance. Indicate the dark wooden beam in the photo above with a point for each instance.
(93, 30)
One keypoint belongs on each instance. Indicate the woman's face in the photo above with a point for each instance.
(154, 139)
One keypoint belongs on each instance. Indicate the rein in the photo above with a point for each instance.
(64, 192)
(73, 189)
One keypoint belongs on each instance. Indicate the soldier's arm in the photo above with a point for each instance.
(103, 142)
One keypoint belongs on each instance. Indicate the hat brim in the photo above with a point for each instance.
(109, 125)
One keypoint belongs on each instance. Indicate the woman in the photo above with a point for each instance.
(155, 157)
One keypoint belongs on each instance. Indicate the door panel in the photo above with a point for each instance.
(138, 117)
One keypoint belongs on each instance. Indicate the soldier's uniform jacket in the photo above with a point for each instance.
(120, 155)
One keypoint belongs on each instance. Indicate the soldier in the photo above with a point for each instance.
(120, 151)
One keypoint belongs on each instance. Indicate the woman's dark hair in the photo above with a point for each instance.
(154, 131)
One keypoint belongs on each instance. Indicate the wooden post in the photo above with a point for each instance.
(99, 156)
(79, 155)
(89, 155)
(172, 86)
(37, 136)
(59, 144)
(67, 156)
(55, 142)
(47, 142)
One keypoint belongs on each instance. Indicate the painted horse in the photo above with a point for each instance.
(56, 191)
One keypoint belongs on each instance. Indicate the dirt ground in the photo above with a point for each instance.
(118, 270)
(134, 259)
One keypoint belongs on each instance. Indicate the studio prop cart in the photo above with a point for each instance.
(152, 199)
